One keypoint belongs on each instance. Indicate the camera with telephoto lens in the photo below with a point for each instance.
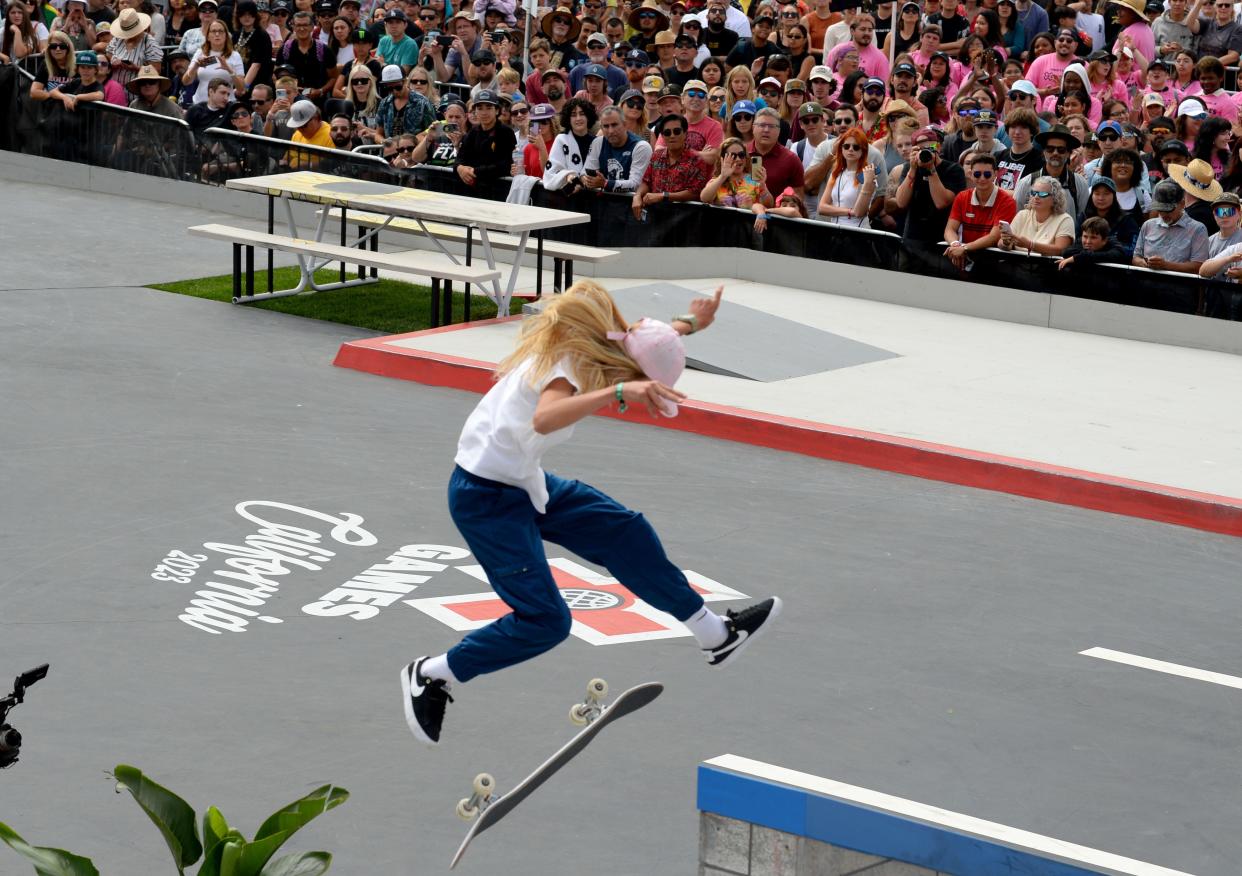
(926, 156)
(10, 737)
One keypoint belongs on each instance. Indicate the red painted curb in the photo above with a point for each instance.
(923, 459)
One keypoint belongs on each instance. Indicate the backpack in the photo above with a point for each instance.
(293, 41)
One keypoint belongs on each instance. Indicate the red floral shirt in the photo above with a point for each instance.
(688, 173)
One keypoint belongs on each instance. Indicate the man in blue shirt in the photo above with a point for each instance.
(1034, 19)
(618, 158)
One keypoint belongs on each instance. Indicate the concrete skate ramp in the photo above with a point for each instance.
(749, 343)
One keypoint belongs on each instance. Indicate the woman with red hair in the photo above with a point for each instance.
(850, 187)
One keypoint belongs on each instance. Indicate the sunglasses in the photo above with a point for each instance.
(58, 48)
(695, 92)
(1107, 138)
(770, 92)
(646, 15)
(1056, 150)
(405, 149)
(1019, 95)
(635, 103)
(1161, 132)
(739, 155)
(1040, 195)
(850, 147)
(716, 98)
(634, 65)
(743, 117)
(873, 90)
(1221, 212)
(426, 18)
(672, 132)
(789, 15)
(812, 120)
(240, 116)
(967, 112)
(520, 112)
(982, 174)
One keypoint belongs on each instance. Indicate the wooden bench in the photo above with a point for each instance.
(563, 254)
(423, 264)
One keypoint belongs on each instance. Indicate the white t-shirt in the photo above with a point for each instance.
(499, 441)
(225, 68)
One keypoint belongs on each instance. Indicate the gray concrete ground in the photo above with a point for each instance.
(930, 647)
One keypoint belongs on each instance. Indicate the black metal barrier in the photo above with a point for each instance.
(227, 154)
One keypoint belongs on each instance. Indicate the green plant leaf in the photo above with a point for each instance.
(224, 856)
(215, 828)
(172, 815)
(285, 822)
(57, 862)
(301, 864)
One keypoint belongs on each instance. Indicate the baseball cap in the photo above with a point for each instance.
(744, 106)
(394, 14)
(630, 94)
(362, 35)
(925, 135)
(903, 67)
(985, 117)
(212, 3)
(657, 348)
(391, 73)
(670, 89)
(693, 84)
(597, 39)
(1108, 125)
(685, 41)
(771, 80)
(873, 82)
(795, 85)
(1191, 107)
(820, 72)
(553, 72)
(303, 111)
(325, 7)
(1153, 99)
(486, 97)
(1104, 181)
(1166, 196)
(541, 112)
(1160, 62)
(652, 84)
(1228, 198)
(1102, 55)
(811, 108)
(596, 70)
(483, 56)
(1025, 86)
(638, 56)
(86, 59)
(1172, 145)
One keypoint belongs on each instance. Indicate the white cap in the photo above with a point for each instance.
(1191, 107)
(301, 113)
(391, 73)
(1026, 86)
(820, 72)
(772, 80)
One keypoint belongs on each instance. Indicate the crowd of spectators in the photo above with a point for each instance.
(1101, 130)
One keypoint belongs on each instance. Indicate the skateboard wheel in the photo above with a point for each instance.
(484, 784)
(465, 811)
(597, 688)
(577, 714)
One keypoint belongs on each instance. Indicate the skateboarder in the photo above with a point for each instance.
(576, 357)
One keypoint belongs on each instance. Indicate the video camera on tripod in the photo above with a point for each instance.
(10, 738)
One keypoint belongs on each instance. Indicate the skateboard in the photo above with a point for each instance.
(486, 808)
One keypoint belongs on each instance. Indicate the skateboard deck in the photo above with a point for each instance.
(629, 701)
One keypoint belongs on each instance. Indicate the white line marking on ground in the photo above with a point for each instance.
(1162, 666)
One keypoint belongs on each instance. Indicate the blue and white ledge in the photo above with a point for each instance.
(764, 820)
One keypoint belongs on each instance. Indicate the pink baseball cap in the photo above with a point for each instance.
(657, 348)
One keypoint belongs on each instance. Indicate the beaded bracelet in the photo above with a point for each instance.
(621, 397)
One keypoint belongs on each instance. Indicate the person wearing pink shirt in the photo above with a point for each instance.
(1075, 78)
(1218, 101)
(1135, 31)
(871, 60)
(1104, 83)
(1045, 71)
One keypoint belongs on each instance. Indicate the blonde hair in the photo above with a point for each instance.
(738, 72)
(575, 325)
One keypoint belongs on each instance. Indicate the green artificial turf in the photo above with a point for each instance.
(388, 306)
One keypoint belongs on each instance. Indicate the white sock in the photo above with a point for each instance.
(708, 627)
(438, 668)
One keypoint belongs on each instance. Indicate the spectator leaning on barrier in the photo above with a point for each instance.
(1201, 188)
(618, 159)
(149, 89)
(308, 127)
(928, 186)
(1225, 247)
(1172, 241)
(675, 173)
(567, 159)
(440, 143)
(1103, 204)
(486, 152)
(736, 183)
(974, 219)
(1044, 226)
(1094, 247)
(211, 112)
(782, 167)
(851, 187)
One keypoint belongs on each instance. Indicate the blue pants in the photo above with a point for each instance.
(506, 534)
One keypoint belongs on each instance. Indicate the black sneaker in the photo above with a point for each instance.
(424, 702)
(743, 627)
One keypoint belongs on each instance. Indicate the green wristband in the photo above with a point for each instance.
(621, 396)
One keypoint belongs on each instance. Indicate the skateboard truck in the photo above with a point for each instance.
(587, 711)
(480, 799)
